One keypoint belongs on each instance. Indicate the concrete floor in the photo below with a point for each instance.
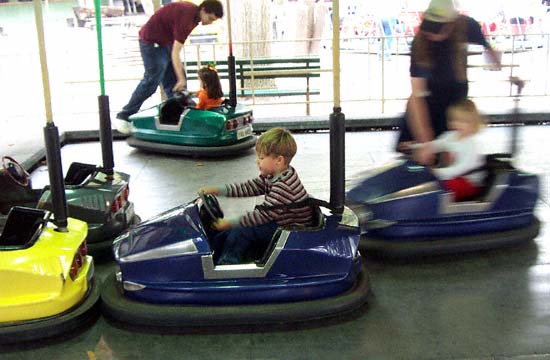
(476, 306)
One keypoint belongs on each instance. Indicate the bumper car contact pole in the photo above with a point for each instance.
(231, 62)
(519, 84)
(337, 122)
(105, 131)
(51, 133)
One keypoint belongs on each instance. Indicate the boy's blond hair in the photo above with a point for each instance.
(275, 142)
(469, 107)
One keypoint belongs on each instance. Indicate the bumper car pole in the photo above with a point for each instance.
(337, 159)
(105, 130)
(232, 81)
(231, 62)
(519, 84)
(337, 122)
(51, 133)
(106, 135)
(55, 170)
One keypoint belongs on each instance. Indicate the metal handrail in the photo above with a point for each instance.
(381, 81)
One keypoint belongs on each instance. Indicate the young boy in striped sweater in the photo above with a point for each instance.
(280, 184)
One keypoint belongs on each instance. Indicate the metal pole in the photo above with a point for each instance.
(106, 135)
(336, 52)
(97, 7)
(231, 62)
(519, 84)
(337, 122)
(43, 62)
(156, 5)
(55, 171)
(337, 159)
(105, 130)
(51, 133)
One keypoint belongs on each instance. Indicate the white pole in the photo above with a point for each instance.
(336, 51)
(230, 38)
(43, 62)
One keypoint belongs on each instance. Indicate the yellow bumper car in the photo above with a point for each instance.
(46, 277)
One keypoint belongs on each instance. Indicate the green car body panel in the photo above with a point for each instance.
(92, 201)
(93, 195)
(194, 127)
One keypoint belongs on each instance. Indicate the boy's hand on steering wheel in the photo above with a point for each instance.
(221, 225)
(209, 190)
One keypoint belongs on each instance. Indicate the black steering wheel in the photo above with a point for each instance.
(185, 99)
(211, 206)
(15, 171)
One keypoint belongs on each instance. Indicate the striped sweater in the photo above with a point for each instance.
(285, 188)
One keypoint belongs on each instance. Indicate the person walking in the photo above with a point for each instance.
(161, 40)
(438, 71)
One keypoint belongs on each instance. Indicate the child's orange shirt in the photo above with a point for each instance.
(205, 102)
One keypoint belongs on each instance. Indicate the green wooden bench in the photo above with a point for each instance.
(266, 68)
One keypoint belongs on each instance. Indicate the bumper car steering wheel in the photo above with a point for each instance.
(185, 99)
(211, 207)
(15, 171)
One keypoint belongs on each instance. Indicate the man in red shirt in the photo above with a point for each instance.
(161, 40)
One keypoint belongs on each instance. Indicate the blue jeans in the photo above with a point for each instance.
(387, 30)
(235, 243)
(157, 62)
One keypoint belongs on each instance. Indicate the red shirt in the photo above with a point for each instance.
(205, 102)
(173, 21)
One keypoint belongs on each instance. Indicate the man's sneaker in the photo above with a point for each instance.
(122, 116)
(123, 126)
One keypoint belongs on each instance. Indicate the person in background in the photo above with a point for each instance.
(387, 16)
(438, 72)
(161, 40)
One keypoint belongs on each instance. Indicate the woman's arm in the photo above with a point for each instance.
(419, 116)
(419, 120)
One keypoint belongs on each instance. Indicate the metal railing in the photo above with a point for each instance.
(374, 73)
(374, 83)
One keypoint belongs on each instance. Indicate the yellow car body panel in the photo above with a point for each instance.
(36, 281)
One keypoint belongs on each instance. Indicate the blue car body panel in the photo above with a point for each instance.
(168, 260)
(404, 201)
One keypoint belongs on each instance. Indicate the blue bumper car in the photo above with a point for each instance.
(167, 276)
(404, 211)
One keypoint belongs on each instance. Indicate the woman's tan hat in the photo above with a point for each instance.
(441, 11)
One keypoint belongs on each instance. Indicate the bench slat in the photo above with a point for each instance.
(263, 68)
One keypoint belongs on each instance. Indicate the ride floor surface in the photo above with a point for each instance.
(487, 305)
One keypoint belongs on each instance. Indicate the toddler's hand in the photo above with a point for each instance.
(221, 225)
(209, 190)
(424, 155)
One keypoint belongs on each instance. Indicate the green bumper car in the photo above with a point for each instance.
(177, 127)
(93, 196)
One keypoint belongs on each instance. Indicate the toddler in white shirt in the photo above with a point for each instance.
(461, 176)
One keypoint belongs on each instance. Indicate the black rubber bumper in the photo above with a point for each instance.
(119, 309)
(418, 247)
(192, 151)
(77, 318)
